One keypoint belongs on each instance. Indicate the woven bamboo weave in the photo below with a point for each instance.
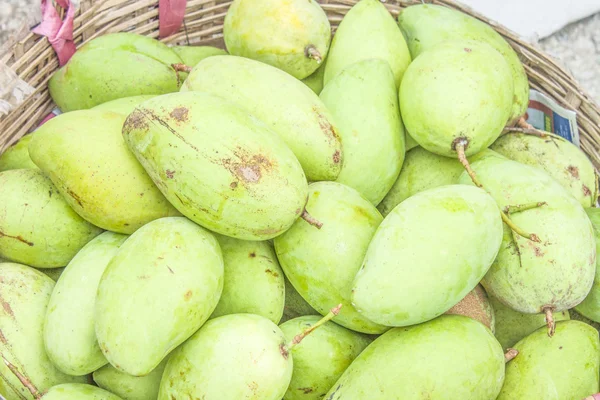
(33, 59)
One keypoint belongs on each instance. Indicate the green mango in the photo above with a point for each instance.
(452, 231)
(78, 391)
(17, 156)
(450, 357)
(421, 170)
(315, 80)
(590, 306)
(130, 387)
(69, 329)
(364, 101)
(560, 158)
(234, 177)
(123, 106)
(563, 367)
(410, 142)
(321, 358)
(512, 326)
(367, 31)
(286, 105)
(425, 25)
(555, 274)
(321, 263)
(236, 356)
(295, 305)
(477, 103)
(192, 55)
(24, 294)
(72, 150)
(37, 226)
(477, 305)
(253, 280)
(53, 273)
(163, 284)
(113, 66)
(292, 35)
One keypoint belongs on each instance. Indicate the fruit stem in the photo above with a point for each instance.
(311, 52)
(528, 131)
(24, 380)
(523, 207)
(510, 354)
(311, 220)
(550, 323)
(522, 123)
(180, 68)
(460, 145)
(298, 338)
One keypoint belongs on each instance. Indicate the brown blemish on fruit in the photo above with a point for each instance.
(247, 168)
(586, 190)
(170, 174)
(150, 115)
(271, 272)
(336, 157)
(233, 185)
(18, 237)
(468, 50)
(180, 114)
(135, 120)
(7, 308)
(306, 390)
(574, 171)
(284, 351)
(473, 306)
(325, 125)
(538, 252)
(170, 270)
(187, 295)
(2, 338)
(75, 197)
(252, 255)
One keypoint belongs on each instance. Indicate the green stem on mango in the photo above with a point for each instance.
(460, 146)
(180, 68)
(311, 220)
(298, 338)
(528, 131)
(550, 323)
(523, 207)
(23, 379)
(510, 354)
(311, 52)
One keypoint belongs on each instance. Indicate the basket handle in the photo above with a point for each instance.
(170, 16)
(59, 32)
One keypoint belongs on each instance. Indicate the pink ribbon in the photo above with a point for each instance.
(170, 16)
(59, 32)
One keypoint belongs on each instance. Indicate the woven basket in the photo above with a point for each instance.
(33, 59)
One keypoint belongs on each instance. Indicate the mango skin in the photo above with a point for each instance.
(295, 305)
(321, 357)
(424, 26)
(113, 66)
(236, 356)
(253, 280)
(278, 33)
(364, 101)
(123, 106)
(315, 80)
(37, 226)
(560, 158)
(482, 91)
(77, 391)
(590, 306)
(177, 268)
(321, 263)
(69, 333)
(420, 171)
(17, 156)
(234, 177)
(24, 294)
(419, 241)
(192, 55)
(286, 105)
(528, 276)
(565, 366)
(367, 31)
(409, 364)
(130, 387)
(72, 150)
(512, 326)
(477, 305)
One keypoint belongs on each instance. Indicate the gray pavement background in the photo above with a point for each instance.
(577, 46)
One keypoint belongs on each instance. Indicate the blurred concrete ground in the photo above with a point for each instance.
(577, 46)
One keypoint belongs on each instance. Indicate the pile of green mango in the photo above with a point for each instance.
(302, 216)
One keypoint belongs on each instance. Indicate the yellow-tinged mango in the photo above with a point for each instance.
(161, 286)
(84, 155)
(220, 166)
(37, 226)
